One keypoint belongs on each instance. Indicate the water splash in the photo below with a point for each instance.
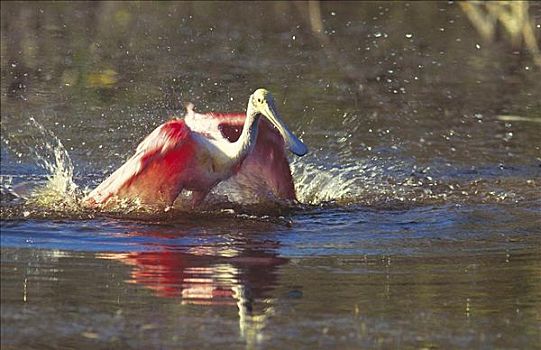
(368, 182)
(59, 190)
(55, 194)
(346, 180)
(316, 184)
(395, 183)
(8, 193)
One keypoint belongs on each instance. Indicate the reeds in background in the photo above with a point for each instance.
(512, 16)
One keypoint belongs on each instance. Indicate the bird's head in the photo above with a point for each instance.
(262, 102)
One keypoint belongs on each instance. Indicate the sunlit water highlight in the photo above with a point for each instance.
(419, 205)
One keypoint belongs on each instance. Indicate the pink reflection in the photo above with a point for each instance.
(204, 275)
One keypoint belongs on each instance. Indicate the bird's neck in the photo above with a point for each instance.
(247, 138)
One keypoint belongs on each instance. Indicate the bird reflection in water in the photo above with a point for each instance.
(210, 275)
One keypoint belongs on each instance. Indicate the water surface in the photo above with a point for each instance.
(418, 222)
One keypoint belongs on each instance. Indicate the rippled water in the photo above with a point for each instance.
(418, 222)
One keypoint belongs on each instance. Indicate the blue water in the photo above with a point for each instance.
(418, 220)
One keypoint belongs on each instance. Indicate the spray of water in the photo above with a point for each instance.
(374, 181)
(316, 184)
(59, 191)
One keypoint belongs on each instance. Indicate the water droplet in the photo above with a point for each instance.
(508, 136)
(477, 46)
(409, 35)
(333, 13)
(377, 34)
(293, 37)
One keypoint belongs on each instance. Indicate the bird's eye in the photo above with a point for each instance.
(259, 100)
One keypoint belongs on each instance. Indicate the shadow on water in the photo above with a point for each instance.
(418, 217)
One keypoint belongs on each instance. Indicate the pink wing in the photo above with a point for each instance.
(153, 173)
(266, 169)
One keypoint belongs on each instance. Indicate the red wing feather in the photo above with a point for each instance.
(152, 173)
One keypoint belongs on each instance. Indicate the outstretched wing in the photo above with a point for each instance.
(266, 169)
(153, 172)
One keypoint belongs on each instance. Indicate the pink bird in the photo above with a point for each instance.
(201, 151)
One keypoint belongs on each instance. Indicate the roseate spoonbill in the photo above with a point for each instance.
(175, 157)
(265, 170)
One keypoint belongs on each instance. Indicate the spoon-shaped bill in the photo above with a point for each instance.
(295, 145)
